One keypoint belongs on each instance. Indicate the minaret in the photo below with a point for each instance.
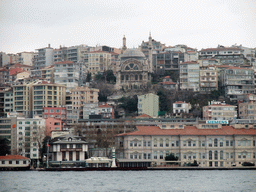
(150, 47)
(124, 45)
(113, 157)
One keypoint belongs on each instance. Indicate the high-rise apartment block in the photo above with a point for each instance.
(148, 104)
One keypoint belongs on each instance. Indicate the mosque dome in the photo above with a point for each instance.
(133, 53)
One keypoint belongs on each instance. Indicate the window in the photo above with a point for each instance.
(149, 143)
(155, 155)
(221, 142)
(184, 143)
(149, 156)
(161, 143)
(131, 143)
(221, 154)
(10, 162)
(145, 155)
(3, 162)
(215, 142)
(210, 142)
(210, 155)
(166, 142)
(216, 155)
(155, 142)
(189, 143)
(227, 143)
(144, 143)
(161, 155)
(216, 163)
(177, 143)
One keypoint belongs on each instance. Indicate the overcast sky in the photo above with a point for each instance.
(26, 25)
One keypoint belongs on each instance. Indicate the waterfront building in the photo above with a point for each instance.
(148, 104)
(8, 130)
(219, 111)
(30, 135)
(67, 150)
(209, 145)
(14, 162)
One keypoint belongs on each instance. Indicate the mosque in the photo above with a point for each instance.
(134, 70)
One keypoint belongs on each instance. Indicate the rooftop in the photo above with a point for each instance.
(189, 130)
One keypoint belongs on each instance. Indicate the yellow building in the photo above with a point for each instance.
(30, 98)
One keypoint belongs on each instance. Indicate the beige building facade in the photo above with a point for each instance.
(215, 146)
(148, 104)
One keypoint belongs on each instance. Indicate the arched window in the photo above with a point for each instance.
(167, 142)
(122, 77)
(210, 155)
(216, 155)
(136, 77)
(127, 77)
(216, 142)
(210, 142)
(140, 77)
(161, 143)
(221, 154)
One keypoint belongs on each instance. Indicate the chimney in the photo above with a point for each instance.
(49, 45)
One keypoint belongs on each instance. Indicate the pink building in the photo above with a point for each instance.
(57, 113)
(52, 124)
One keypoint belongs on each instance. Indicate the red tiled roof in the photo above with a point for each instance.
(143, 116)
(13, 157)
(98, 52)
(167, 83)
(15, 71)
(166, 77)
(64, 62)
(180, 102)
(104, 105)
(190, 130)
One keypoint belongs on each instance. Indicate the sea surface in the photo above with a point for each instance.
(182, 180)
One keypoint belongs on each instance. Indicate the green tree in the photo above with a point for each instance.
(88, 77)
(171, 157)
(99, 77)
(129, 104)
(4, 147)
(110, 77)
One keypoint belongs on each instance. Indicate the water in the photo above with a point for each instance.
(235, 180)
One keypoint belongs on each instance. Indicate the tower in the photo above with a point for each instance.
(150, 47)
(124, 44)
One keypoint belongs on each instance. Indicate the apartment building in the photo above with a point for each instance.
(48, 73)
(4, 76)
(208, 79)
(60, 54)
(237, 81)
(8, 101)
(98, 61)
(55, 118)
(8, 130)
(247, 110)
(156, 47)
(168, 61)
(66, 73)
(189, 76)
(208, 61)
(148, 104)
(209, 145)
(220, 50)
(44, 57)
(30, 135)
(219, 111)
(79, 96)
(26, 58)
(30, 98)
